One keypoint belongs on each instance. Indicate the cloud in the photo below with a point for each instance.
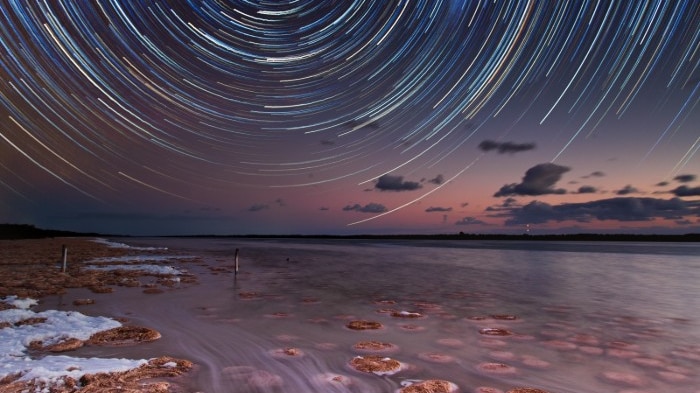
(437, 180)
(618, 208)
(509, 202)
(662, 184)
(395, 183)
(594, 174)
(505, 147)
(280, 202)
(368, 208)
(683, 222)
(686, 191)
(323, 208)
(464, 204)
(438, 209)
(628, 189)
(684, 178)
(506, 204)
(258, 207)
(326, 142)
(469, 221)
(587, 190)
(538, 180)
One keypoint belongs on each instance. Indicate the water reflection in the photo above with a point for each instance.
(561, 321)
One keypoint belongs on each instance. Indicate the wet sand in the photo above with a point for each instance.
(33, 267)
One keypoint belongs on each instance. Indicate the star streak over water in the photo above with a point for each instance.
(170, 109)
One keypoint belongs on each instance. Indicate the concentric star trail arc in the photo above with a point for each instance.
(221, 91)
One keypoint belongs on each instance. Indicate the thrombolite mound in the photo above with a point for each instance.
(142, 379)
(374, 346)
(487, 389)
(364, 325)
(406, 314)
(430, 386)
(496, 368)
(65, 345)
(124, 335)
(495, 332)
(526, 390)
(380, 365)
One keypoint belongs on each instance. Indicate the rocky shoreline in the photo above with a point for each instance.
(33, 269)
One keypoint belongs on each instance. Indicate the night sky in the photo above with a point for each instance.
(339, 117)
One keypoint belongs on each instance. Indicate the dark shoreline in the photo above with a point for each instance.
(23, 231)
(26, 231)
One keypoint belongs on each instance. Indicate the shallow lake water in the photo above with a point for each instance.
(562, 317)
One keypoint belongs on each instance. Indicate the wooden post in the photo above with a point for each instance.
(235, 272)
(65, 258)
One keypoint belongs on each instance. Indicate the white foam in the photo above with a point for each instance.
(112, 244)
(138, 258)
(57, 326)
(152, 269)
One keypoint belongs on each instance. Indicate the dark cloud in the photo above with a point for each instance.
(505, 147)
(686, 191)
(438, 209)
(587, 190)
(464, 204)
(684, 222)
(395, 183)
(469, 221)
(684, 178)
(488, 145)
(506, 205)
(538, 180)
(594, 174)
(619, 208)
(437, 180)
(280, 202)
(509, 202)
(662, 184)
(258, 207)
(368, 208)
(323, 208)
(628, 189)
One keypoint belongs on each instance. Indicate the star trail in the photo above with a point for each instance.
(188, 113)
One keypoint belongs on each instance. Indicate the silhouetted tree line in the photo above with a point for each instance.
(25, 231)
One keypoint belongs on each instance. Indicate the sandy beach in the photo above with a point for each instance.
(32, 271)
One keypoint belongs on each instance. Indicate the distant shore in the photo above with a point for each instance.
(690, 237)
(24, 231)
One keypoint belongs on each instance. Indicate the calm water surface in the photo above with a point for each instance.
(584, 317)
